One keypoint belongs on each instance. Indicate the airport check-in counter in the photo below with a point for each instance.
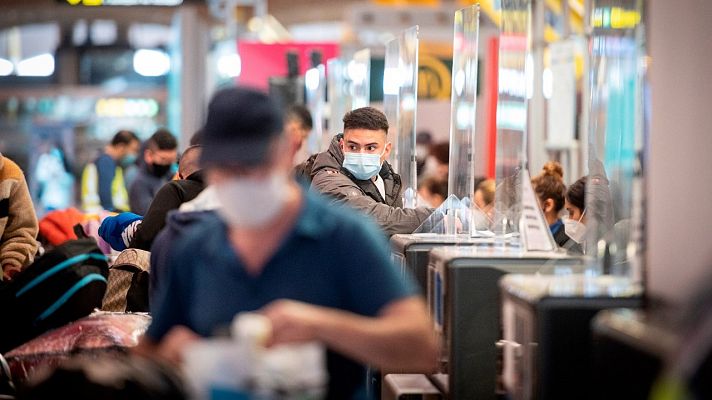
(410, 252)
(630, 351)
(547, 331)
(463, 299)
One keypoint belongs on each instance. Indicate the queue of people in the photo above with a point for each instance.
(235, 231)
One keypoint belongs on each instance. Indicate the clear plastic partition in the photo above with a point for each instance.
(617, 137)
(315, 85)
(391, 88)
(359, 73)
(338, 94)
(349, 81)
(451, 218)
(405, 78)
(511, 117)
(463, 104)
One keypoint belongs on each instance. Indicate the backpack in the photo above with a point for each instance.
(61, 286)
(127, 289)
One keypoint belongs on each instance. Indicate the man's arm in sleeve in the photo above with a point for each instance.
(386, 324)
(166, 199)
(105, 170)
(140, 195)
(168, 333)
(392, 220)
(401, 337)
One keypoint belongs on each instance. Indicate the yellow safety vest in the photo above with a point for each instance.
(91, 203)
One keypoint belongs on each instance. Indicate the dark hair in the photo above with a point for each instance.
(576, 195)
(366, 118)
(124, 137)
(435, 186)
(549, 184)
(302, 114)
(424, 137)
(197, 138)
(441, 152)
(162, 140)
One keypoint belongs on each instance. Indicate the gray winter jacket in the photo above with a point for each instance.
(330, 178)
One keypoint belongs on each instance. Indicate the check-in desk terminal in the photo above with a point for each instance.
(410, 252)
(463, 299)
(547, 331)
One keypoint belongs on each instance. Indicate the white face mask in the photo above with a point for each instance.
(250, 202)
(574, 229)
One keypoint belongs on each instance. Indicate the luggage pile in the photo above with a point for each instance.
(57, 310)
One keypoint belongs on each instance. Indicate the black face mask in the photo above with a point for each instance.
(159, 170)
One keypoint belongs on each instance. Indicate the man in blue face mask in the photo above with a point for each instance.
(316, 272)
(103, 185)
(354, 171)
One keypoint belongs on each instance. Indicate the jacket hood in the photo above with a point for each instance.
(206, 200)
(178, 221)
(332, 158)
(201, 207)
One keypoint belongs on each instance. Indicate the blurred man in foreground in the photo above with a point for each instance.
(316, 272)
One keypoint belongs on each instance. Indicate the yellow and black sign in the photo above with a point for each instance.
(97, 3)
(434, 78)
(407, 2)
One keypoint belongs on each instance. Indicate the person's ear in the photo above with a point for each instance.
(548, 205)
(387, 152)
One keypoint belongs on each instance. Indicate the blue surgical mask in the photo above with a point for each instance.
(128, 160)
(363, 166)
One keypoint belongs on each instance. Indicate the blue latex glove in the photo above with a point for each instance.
(112, 227)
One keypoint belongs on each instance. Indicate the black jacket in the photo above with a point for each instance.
(330, 178)
(169, 197)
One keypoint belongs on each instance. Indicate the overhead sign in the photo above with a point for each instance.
(126, 108)
(614, 18)
(261, 61)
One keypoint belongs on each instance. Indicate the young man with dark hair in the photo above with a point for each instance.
(158, 158)
(103, 185)
(354, 171)
(315, 272)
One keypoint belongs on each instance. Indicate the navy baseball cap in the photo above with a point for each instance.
(240, 127)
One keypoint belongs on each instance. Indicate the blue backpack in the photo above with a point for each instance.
(61, 286)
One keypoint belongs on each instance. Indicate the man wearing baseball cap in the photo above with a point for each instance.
(316, 271)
